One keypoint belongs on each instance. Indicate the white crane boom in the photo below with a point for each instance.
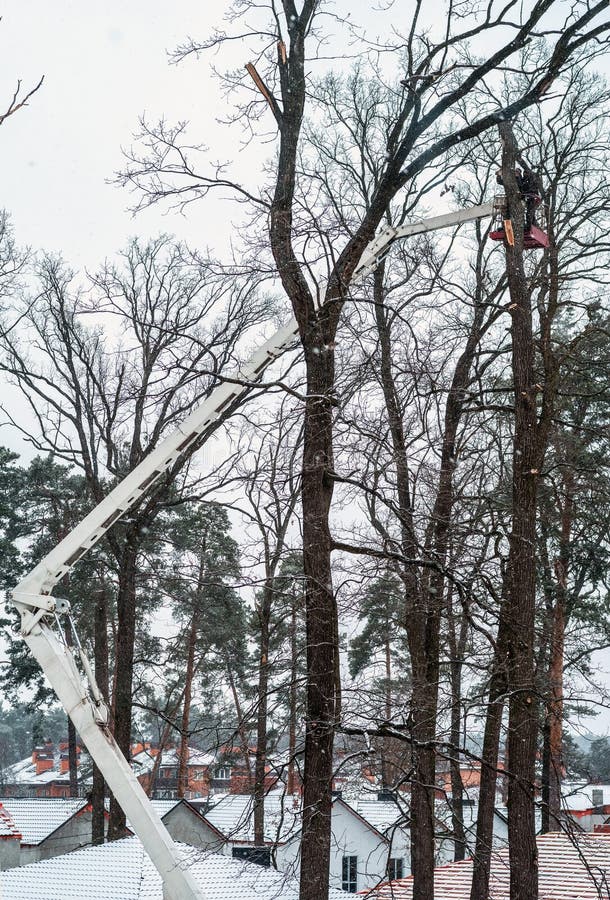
(380, 244)
(81, 697)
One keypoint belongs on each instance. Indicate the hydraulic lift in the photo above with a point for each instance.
(67, 667)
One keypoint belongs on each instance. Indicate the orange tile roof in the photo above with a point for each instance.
(571, 867)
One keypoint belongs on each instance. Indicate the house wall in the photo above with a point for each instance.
(28, 855)
(186, 826)
(74, 833)
(10, 851)
(352, 837)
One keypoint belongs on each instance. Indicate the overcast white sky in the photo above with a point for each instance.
(104, 65)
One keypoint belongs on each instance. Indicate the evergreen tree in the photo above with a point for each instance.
(202, 567)
(381, 644)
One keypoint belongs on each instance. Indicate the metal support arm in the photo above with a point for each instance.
(380, 245)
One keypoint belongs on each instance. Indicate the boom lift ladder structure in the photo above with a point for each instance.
(77, 690)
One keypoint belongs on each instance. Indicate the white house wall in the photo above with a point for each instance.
(352, 837)
(189, 828)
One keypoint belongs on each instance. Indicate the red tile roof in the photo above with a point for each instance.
(571, 867)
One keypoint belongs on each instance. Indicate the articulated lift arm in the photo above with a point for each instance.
(76, 689)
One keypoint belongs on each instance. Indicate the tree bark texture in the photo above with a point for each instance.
(125, 642)
(261, 722)
(291, 781)
(553, 755)
(100, 651)
(523, 705)
(498, 686)
(456, 646)
(321, 622)
(183, 754)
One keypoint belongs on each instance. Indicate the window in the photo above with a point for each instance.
(257, 855)
(223, 773)
(350, 874)
(395, 868)
(597, 797)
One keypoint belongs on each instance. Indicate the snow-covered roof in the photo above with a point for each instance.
(163, 807)
(38, 817)
(233, 816)
(144, 760)
(577, 796)
(24, 772)
(569, 868)
(384, 815)
(8, 829)
(121, 870)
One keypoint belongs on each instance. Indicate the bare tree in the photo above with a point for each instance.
(271, 485)
(439, 73)
(103, 396)
(19, 99)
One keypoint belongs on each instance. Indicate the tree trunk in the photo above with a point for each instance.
(457, 788)
(323, 697)
(122, 701)
(100, 650)
(241, 726)
(292, 715)
(424, 595)
(72, 758)
(183, 754)
(261, 719)
(554, 718)
(489, 768)
(523, 706)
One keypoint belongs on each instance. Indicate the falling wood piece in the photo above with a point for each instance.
(258, 81)
(508, 230)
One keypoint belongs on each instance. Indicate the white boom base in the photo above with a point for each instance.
(57, 662)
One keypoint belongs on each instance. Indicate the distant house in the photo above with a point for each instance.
(207, 772)
(586, 806)
(200, 771)
(186, 825)
(360, 852)
(121, 870)
(568, 867)
(44, 774)
(48, 827)
(388, 812)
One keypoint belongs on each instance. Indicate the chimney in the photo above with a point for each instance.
(64, 761)
(43, 758)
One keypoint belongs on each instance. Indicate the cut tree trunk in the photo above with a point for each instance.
(523, 705)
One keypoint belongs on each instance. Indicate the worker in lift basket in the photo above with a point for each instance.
(529, 187)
